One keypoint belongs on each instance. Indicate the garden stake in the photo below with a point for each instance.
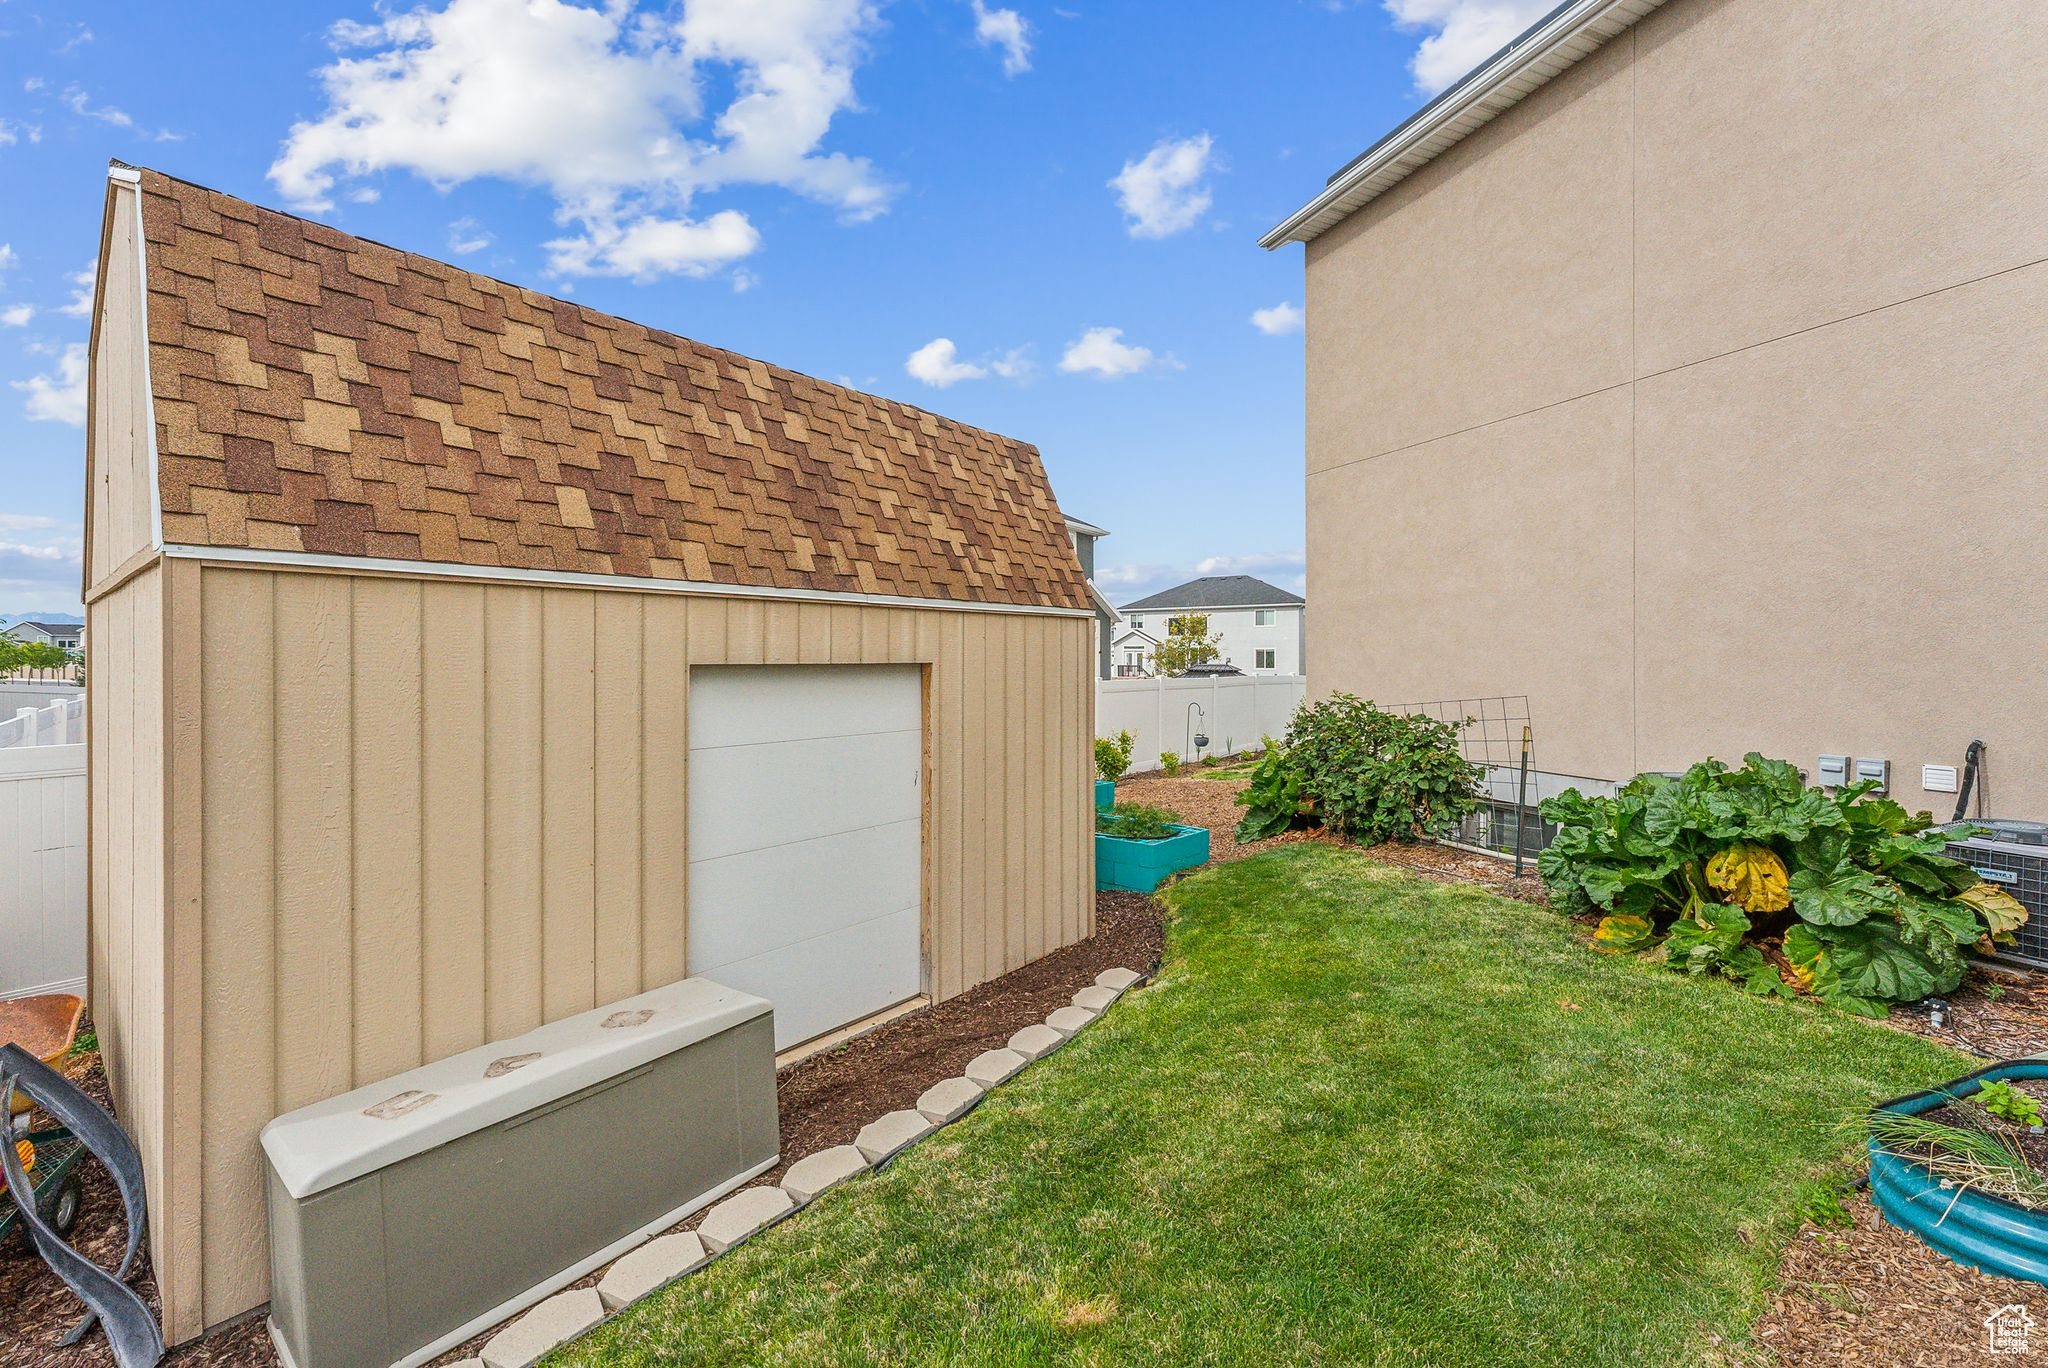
(1522, 801)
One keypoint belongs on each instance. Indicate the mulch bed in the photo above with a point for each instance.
(1201, 800)
(1207, 800)
(823, 1101)
(1875, 1295)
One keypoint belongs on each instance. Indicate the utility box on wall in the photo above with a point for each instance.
(408, 1214)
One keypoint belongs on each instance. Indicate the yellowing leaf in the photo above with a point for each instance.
(1752, 876)
(2001, 911)
(1620, 933)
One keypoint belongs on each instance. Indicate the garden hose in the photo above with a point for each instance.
(1973, 760)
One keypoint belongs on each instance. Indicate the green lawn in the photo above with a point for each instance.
(1362, 1119)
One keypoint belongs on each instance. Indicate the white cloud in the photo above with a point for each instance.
(58, 398)
(1005, 29)
(1259, 563)
(365, 194)
(650, 247)
(938, 364)
(466, 235)
(80, 103)
(1099, 352)
(82, 282)
(1014, 364)
(1162, 193)
(609, 109)
(1464, 33)
(39, 563)
(9, 258)
(16, 315)
(1281, 318)
(1285, 569)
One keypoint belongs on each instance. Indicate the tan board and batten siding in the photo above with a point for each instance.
(349, 819)
(403, 848)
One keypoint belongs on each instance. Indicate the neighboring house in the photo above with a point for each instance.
(1680, 369)
(1258, 626)
(472, 659)
(66, 636)
(1084, 536)
(1131, 654)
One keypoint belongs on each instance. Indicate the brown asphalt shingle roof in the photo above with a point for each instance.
(318, 392)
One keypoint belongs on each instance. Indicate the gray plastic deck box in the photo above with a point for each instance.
(406, 1215)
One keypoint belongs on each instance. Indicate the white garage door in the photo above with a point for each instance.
(805, 822)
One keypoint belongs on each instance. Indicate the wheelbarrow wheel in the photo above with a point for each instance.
(60, 1209)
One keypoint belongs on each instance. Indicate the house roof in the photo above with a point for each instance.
(1219, 591)
(317, 392)
(52, 628)
(1537, 55)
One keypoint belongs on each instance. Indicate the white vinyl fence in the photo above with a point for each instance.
(61, 723)
(1233, 711)
(42, 869)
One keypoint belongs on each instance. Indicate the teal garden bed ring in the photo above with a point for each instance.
(1141, 866)
(1975, 1229)
(1105, 793)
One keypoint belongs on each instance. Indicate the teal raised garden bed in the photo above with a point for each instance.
(1975, 1229)
(1105, 793)
(1141, 866)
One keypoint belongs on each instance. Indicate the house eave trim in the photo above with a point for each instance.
(499, 574)
(1476, 100)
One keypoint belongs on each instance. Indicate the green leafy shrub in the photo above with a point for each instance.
(1113, 755)
(1170, 762)
(1272, 799)
(1136, 822)
(1380, 776)
(1720, 866)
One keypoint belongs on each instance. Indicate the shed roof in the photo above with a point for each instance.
(1219, 591)
(318, 392)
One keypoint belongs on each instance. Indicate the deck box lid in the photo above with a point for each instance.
(359, 1132)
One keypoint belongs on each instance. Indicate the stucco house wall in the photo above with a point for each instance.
(1698, 397)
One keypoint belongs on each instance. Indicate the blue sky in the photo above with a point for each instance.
(1035, 217)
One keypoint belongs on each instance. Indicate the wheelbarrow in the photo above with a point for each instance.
(46, 1027)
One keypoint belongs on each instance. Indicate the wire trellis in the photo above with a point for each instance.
(1496, 734)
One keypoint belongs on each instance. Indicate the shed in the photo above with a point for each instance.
(464, 659)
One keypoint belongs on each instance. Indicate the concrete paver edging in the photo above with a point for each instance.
(647, 1267)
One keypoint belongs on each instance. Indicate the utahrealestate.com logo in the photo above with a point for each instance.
(2006, 1330)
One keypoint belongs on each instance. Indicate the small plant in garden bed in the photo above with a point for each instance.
(1113, 755)
(2007, 1103)
(1751, 874)
(1170, 762)
(1362, 771)
(1136, 822)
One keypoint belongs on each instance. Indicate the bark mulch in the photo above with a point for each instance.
(1874, 1295)
(1203, 799)
(2000, 1014)
(1200, 800)
(823, 1101)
